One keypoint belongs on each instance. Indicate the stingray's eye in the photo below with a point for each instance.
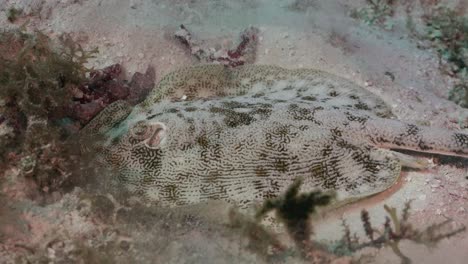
(158, 137)
(141, 130)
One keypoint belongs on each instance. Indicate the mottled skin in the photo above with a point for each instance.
(244, 134)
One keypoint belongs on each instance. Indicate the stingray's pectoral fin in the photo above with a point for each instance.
(410, 161)
(379, 173)
(360, 171)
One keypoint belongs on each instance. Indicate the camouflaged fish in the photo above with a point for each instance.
(244, 134)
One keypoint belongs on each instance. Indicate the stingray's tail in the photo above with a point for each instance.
(399, 135)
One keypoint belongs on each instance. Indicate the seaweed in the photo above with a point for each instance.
(294, 210)
(376, 12)
(13, 14)
(459, 94)
(395, 229)
(36, 77)
(448, 33)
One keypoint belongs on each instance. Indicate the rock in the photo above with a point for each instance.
(109, 73)
(141, 85)
(116, 90)
(85, 112)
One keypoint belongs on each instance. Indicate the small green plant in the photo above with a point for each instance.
(448, 33)
(13, 14)
(295, 210)
(397, 228)
(376, 12)
(459, 93)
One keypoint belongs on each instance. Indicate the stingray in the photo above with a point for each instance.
(244, 134)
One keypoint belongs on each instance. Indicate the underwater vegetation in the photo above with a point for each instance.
(397, 228)
(35, 74)
(295, 211)
(448, 33)
(13, 14)
(376, 12)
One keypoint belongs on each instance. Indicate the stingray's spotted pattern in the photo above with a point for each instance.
(245, 134)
